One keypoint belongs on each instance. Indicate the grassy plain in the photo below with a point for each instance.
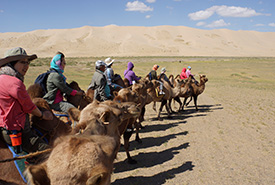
(230, 140)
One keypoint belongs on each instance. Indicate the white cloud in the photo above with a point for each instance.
(148, 16)
(224, 11)
(258, 25)
(137, 6)
(200, 24)
(233, 11)
(200, 15)
(218, 23)
(150, 1)
(271, 24)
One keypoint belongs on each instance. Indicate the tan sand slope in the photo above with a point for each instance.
(141, 41)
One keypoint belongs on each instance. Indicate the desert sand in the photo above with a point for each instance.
(114, 40)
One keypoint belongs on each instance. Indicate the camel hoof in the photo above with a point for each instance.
(132, 161)
(138, 140)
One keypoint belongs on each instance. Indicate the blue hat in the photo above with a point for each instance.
(189, 67)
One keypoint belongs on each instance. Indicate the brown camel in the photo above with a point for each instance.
(35, 91)
(185, 91)
(125, 111)
(77, 160)
(170, 92)
(196, 90)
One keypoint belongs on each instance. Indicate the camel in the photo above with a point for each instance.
(76, 160)
(92, 152)
(35, 91)
(185, 90)
(196, 90)
(125, 111)
(170, 92)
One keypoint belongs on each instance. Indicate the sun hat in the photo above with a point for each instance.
(16, 54)
(100, 63)
(109, 61)
(189, 67)
(163, 70)
(155, 67)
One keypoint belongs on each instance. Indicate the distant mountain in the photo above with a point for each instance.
(141, 41)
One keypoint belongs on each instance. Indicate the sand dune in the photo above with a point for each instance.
(141, 41)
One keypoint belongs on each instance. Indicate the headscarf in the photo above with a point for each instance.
(130, 66)
(155, 67)
(56, 64)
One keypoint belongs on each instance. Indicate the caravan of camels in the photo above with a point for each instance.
(85, 144)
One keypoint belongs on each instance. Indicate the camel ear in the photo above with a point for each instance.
(115, 93)
(74, 114)
(36, 174)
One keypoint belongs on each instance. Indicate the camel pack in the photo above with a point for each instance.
(42, 80)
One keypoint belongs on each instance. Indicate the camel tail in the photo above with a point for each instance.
(26, 156)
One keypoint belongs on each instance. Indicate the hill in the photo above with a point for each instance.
(141, 41)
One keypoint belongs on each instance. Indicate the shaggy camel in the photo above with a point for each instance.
(170, 92)
(92, 152)
(77, 160)
(196, 90)
(35, 91)
(185, 90)
(125, 111)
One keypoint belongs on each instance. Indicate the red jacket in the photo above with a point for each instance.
(183, 73)
(14, 103)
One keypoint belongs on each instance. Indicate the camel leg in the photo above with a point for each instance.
(154, 106)
(126, 137)
(188, 101)
(163, 102)
(168, 110)
(178, 100)
(141, 116)
(137, 126)
(195, 102)
(170, 107)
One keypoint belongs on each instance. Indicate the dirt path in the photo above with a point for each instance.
(219, 144)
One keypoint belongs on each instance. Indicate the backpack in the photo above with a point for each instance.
(150, 76)
(42, 80)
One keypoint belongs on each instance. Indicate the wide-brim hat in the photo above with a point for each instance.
(109, 61)
(16, 54)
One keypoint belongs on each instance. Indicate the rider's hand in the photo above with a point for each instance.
(80, 93)
(47, 115)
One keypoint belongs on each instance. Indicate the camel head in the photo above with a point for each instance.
(203, 78)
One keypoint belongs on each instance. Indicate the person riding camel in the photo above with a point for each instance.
(57, 86)
(99, 83)
(16, 104)
(153, 76)
(183, 73)
(109, 73)
(163, 75)
(130, 75)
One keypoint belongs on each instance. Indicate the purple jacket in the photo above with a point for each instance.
(129, 74)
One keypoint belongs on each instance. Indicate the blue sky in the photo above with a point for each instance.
(29, 15)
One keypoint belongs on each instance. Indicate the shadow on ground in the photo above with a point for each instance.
(156, 179)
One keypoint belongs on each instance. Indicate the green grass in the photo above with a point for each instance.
(248, 72)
